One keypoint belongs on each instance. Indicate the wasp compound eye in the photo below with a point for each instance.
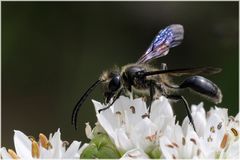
(114, 84)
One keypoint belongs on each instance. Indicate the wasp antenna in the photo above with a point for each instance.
(80, 102)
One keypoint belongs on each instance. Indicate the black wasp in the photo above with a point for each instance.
(143, 80)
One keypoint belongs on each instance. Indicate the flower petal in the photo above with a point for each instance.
(82, 148)
(106, 124)
(22, 145)
(144, 134)
(124, 142)
(44, 153)
(233, 150)
(56, 142)
(88, 131)
(168, 151)
(162, 113)
(135, 154)
(72, 150)
(4, 154)
(107, 117)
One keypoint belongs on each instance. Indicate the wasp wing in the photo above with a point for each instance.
(186, 71)
(167, 38)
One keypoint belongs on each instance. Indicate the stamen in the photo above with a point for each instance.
(224, 141)
(173, 156)
(32, 138)
(132, 156)
(13, 154)
(209, 139)
(212, 129)
(35, 150)
(231, 118)
(43, 141)
(193, 140)
(118, 113)
(175, 144)
(133, 109)
(65, 143)
(198, 152)
(169, 145)
(183, 141)
(235, 132)
(219, 126)
(152, 138)
(145, 115)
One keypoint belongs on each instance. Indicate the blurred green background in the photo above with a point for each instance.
(52, 52)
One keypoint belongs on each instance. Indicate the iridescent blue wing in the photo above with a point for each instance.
(167, 38)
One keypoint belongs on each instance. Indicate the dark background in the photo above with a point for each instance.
(52, 52)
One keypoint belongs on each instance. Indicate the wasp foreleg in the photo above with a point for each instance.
(114, 99)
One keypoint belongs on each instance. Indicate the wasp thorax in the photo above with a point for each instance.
(130, 78)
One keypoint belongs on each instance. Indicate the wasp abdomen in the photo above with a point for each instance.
(204, 87)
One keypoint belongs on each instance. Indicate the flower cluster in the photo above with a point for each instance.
(139, 135)
(53, 148)
(127, 131)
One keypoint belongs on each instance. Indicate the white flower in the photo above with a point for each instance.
(128, 124)
(27, 148)
(126, 130)
(218, 133)
(174, 144)
(133, 131)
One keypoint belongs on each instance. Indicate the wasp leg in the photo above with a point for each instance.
(178, 97)
(152, 93)
(114, 99)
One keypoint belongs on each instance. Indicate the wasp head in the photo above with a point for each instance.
(111, 83)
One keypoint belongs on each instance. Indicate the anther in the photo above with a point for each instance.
(198, 152)
(219, 126)
(65, 143)
(133, 109)
(13, 154)
(118, 113)
(43, 141)
(224, 141)
(209, 139)
(183, 141)
(193, 140)
(35, 150)
(235, 132)
(145, 115)
(173, 156)
(169, 145)
(212, 129)
(175, 144)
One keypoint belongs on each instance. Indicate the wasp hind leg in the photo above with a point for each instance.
(178, 97)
